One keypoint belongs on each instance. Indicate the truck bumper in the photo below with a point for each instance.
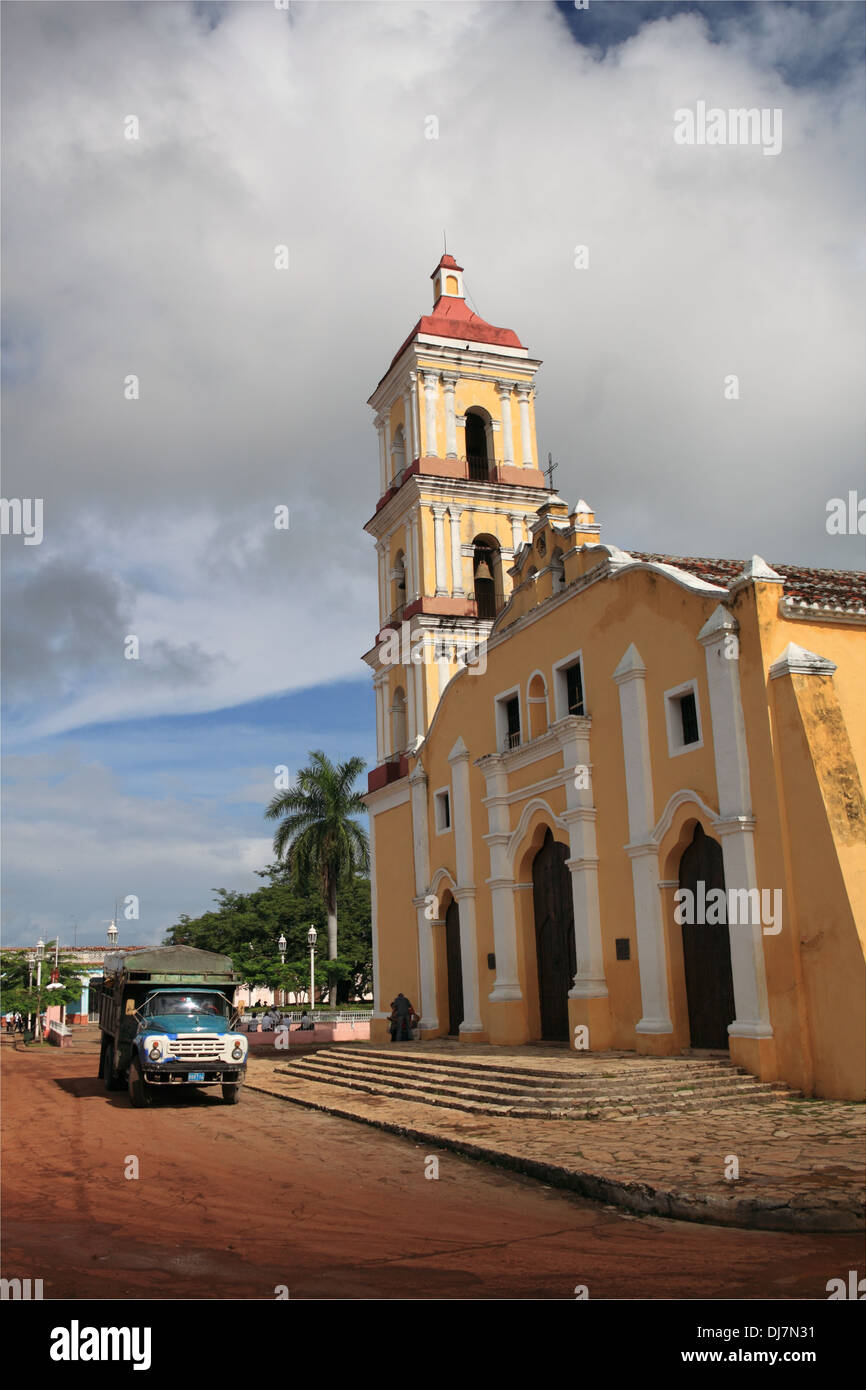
(206, 1073)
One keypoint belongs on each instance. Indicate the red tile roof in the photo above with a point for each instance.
(845, 589)
(448, 262)
(452, 318)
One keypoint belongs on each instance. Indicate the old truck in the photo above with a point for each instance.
(167, 1018)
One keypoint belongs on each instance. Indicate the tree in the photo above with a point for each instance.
(319, 838)
(19, 989)
(246, 926)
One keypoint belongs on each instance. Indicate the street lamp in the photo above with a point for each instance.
(31, 961)
(40, 955)
(311, 939)
(281, 947)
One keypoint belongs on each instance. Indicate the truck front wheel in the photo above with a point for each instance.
(231, 1094)
(139, 1091)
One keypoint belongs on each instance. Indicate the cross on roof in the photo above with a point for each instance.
(549, 471)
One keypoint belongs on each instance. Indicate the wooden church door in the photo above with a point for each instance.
(554, 936)
(707, 949)
(454, 961)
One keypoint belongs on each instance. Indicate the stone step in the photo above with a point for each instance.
(662, 1072)
(578, 1088)
(409, 1068)
(571, 1104)
(467, 1102)
(647, 1066)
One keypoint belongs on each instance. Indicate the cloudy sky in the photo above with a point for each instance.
(308, 127)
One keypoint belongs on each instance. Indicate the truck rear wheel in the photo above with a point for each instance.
(139, 1091)
(109, 1076)
(231, 1094)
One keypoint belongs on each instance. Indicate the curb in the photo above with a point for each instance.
(639, 1198)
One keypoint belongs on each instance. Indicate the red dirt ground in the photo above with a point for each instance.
(234, 1200)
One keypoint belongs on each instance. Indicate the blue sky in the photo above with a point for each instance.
(261, 127)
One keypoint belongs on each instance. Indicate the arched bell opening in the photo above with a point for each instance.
(398, 578)
(479, 454)
(487, 576)
(398, 453)
(557, 567)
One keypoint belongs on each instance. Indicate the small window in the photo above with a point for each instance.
(574, 689)
(512, 721)
(507, 715)
(689, 718)
(568, 685)
(442, 810)
(683, 718)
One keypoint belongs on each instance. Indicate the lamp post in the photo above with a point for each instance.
(31, 961)
(311, 938)
(40, 955)
(281, 947)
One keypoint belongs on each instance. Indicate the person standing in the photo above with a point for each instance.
(401, 1013)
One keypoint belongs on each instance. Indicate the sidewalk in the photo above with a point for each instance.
(801, 1162)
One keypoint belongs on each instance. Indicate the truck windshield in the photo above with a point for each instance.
(188, 1005)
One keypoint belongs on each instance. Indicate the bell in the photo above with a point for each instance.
(483, 571)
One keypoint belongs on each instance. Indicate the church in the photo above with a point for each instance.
(618, 800)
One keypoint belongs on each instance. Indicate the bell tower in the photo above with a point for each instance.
(459, 483)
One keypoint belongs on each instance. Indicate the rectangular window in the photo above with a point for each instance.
(442, 809)
(574, 689)
(683, 718)
(689, 717)
(512, 720)
(569, 687)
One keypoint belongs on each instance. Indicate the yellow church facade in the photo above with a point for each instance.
(618, 800)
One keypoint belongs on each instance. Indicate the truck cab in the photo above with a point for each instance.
(185, 1035)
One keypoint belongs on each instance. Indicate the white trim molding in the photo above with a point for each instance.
(630, 676)
(798, 660)
(735, 823)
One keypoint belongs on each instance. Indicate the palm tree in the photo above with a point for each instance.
(318, 835)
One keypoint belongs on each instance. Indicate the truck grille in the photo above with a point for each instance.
(202, 1047)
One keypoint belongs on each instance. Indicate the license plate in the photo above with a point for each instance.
(196, 1076)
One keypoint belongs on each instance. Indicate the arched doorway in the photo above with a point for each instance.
(706, 946)
(554, 936)
(454, 961)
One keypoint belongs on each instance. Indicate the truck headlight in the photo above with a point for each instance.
(237, 1052)
(155, 1050)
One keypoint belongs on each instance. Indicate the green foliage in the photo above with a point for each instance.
(318, 836)
(15, 996)
(247, 926)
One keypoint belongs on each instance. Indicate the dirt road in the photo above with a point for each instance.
(233, 1201)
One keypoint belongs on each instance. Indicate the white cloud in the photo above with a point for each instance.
(156, 257)
(74, 836)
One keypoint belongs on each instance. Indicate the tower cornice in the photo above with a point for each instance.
(427, 353)
(428, 488)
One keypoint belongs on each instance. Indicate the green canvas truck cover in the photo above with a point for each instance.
(167, 963)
